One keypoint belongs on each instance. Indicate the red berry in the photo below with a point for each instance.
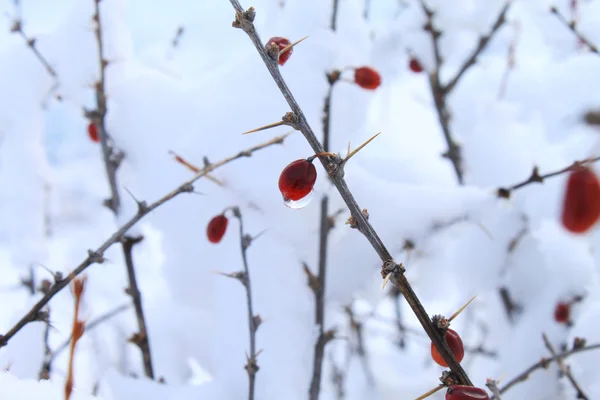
(367, 78)
(93, 132)
(216, 228)
(581, 208)
(415, 66)
(282, 43)
(297, 180)
(562, 313)
(461, 392)
(456, 346)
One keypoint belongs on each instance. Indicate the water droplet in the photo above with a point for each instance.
(298, 204)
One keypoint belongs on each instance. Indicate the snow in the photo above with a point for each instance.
(197, 99)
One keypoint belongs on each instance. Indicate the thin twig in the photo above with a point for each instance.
(254, 321)
(177, 37)
(89, 326)
(112, 157)
(390, 269)
(112, 160)
(77, 332)
(542, 364)
(97, 256)
(564, 369)
(319, 292)
(357, 328)
(325, 227)
(44, 373)
(481, 46)
(492, 384)
(140, 338)
(440, 92)
(535, 177)
(17, 27)
(571, 25)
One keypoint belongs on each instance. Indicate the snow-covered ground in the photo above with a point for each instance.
(197, 99)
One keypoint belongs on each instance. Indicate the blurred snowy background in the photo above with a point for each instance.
(197, 98)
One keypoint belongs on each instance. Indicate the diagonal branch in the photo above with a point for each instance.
(440, 92)
(571, 25)
(564, 369)
(543, 363)
(481, 46)
(390, 268)
(97, 256)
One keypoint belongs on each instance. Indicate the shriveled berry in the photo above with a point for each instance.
(462, 392)
(282, 43)
(456, 346)
(216, 228)
(93, 132)
(581, 207)
(367, 78)
(415, 65)
(297, 180)
(562, 313)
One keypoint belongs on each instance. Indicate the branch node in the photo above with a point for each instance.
(95, 257)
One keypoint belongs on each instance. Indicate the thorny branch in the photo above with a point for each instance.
(140, 339)
(564, 368)
(254, 321)
(112, 157)
(579, 347)
(535, 177)
(440, 92)
(97, 256)
(390, 269)
(571, 25)
(112, 160)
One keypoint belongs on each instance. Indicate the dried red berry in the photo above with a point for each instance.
(297, 179)
(462, 392)
(581, 207)
(216, 228)
(456, 346)
(562, 313)
(415, 66)
(93, 132)
(282, 43)
(367, 78)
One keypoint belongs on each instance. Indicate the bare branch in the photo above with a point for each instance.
(254, 321)
(395, 271)
(535, 177)
(140, 339)
(572, 27)
(97, 256)
(481, 46)
(440, 92)
(542, 364)
(112, 157)
(564, 368)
